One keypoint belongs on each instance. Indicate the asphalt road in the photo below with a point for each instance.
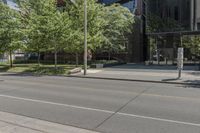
(103, 105)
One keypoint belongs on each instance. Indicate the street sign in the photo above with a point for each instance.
(180, 58)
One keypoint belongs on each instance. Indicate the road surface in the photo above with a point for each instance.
(103, 105)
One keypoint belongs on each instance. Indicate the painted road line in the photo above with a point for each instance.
(58, 104)
(100, 110)
(160, 119)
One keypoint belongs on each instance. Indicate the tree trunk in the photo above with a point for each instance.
(109, 55)
(11, 60)
(38, 59)
(55, 59)
(77, 60)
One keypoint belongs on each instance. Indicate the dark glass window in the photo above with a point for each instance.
(198, 26)
(176, 13)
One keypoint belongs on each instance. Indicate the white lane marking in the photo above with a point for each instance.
(160, 119)
(100, 110)
(58, 104)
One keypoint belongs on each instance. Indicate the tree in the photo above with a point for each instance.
(119, 22)
(47, 27)
(59, 27)
(95, 26)
(193, 44)
(34, 16)
(10, 30)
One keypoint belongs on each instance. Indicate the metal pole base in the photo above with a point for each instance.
(179, 74)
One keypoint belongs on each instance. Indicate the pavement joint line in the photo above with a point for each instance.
(105, 111)
(131, 100)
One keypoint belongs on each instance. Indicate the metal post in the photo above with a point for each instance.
(180, 61)
(179, 73)
(85, 37)
(192, 15)
(180, 57)
(195, 15)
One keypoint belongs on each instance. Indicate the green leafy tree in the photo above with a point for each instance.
(95, 26)
(34, 17)
(193, 44)
(118, 26)
(47, 27)
(10, 30)
(59, 27)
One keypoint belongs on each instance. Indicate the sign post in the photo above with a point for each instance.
(180, 57)
(85, 37)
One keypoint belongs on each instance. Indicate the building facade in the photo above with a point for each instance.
(175, 17)
(11, 3)
(185, 12)
(136, 47)
(130, 4)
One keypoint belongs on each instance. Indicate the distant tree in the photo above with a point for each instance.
(193, 44)
(10, 31)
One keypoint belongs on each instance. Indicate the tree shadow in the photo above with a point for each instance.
(35, 71)
(4, 68)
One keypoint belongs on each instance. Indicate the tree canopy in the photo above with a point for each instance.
(10, 33)
(47, 27)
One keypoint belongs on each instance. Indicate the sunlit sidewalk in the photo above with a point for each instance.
(145, 74)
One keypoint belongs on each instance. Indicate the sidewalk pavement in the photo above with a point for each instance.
(11, 123)
(144, 75)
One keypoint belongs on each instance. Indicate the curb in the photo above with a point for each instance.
(116, 79)
(135, 80)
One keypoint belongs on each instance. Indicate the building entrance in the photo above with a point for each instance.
(163, 47)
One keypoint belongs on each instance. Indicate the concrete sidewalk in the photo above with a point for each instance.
(11, 123)
(168, 75)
